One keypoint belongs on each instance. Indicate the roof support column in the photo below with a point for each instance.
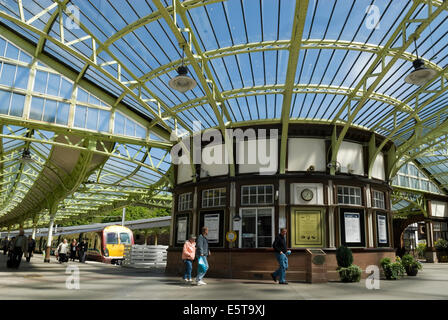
(53, 209)
(294, 49)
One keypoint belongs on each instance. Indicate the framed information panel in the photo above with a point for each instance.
(352, 227)
(214, 221)
(307, 227)
(382, 230)
(182, 227)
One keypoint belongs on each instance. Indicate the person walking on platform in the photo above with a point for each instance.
(188, 254)
(281, 253)
(30, 249)
(5, 243)
(19, 246)
(202, 253)
(61, 251)
(82, 250)
(73, 247)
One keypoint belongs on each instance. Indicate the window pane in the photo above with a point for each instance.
(17, 103)
(92, 119)
(112, 238)
(22, 78)
(5, 98)
(130, 128)
(63, 110)
(37, 108)
(12, 51)
(50, 111)
(80, 117)
(119, 123)
(40, 81)
(66, 89)
(125, 238)
(53, 84)
(82, 96)
(104, 121)
(248, 229)
(8, 73)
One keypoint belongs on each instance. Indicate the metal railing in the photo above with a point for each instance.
(144, 256)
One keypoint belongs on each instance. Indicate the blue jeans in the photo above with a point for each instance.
(188, 268)
(283, 266)
(202, 274)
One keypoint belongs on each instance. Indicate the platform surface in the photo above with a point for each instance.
(38, 280)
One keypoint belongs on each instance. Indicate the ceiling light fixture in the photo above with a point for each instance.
(421, 74)
(182, 82)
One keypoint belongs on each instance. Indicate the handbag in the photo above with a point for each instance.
(202, 265)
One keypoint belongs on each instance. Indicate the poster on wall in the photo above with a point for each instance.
(382, 229)
(352, 227)
(181, 229)
(211, 221)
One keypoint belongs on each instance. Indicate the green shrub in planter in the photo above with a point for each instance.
(344, 257)
(392, 270)
(441, 245)
(421, 248)
(411, 265)
(350, 274)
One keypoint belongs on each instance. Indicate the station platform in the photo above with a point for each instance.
(47, 281)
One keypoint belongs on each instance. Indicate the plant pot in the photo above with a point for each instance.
(411, 271)
(388, 274)
(442, 256)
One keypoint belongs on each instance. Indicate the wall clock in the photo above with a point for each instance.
(307, 194)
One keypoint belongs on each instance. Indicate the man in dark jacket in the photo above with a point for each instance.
(31, 247)
(202, 252)
(82, 250)
(281, 252)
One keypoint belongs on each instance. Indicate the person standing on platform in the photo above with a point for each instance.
(30, 249)
(5, 243)
(73, 247)
(281, 253)
(188, 254)
(202, 253)
(61, 251)
(20, 246)
(82, 250)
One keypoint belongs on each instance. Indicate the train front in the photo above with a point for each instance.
(114, 240)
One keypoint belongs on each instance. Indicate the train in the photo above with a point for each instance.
(106, 245)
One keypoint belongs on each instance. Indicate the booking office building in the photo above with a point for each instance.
(321, 209)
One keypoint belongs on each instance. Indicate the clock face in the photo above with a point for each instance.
(307, 194)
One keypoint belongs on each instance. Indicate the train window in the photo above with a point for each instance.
(112, 238)
(125, 238)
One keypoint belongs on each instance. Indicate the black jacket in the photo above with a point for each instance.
(280, 244)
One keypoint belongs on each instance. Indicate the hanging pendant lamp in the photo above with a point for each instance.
(182, 82)
(421, 74)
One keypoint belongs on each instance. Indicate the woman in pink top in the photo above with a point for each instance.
(188, 254)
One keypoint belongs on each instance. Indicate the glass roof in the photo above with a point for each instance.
(267, 61)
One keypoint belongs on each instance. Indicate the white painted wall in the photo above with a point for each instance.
(378, 170)
(214, 161)
(303, 152)
(439, 209)
(317, 188)
(257, 156)
(350, 156)
(184, 173)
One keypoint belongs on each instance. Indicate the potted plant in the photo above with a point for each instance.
(348, 272)
(441, 246)
(392, 270)
(411, 265)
